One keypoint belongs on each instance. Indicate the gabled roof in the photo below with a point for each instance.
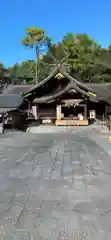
(70, 86)
(66, 75)
(102, 92)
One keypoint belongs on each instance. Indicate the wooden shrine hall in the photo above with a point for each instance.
(59, 99)
(62, 100)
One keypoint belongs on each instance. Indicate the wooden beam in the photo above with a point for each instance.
(85, 109)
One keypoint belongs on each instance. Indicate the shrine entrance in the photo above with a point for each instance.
(72, 112)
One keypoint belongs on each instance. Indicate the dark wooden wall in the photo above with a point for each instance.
(47, 111)
(99, 107)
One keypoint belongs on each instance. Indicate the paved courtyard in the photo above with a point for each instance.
(54, 186)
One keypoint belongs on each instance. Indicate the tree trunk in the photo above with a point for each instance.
(37, 59)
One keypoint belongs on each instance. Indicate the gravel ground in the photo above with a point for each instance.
(54, 186)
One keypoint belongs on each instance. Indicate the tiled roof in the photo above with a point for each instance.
(103, 91)
(10, 100)
(16, 89)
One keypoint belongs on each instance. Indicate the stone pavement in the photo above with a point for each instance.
(103, 141)
(54, 186)
(47, 129)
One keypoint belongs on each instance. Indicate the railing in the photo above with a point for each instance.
(109, 124)
(99, 122)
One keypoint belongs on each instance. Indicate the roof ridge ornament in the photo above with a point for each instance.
(59, 76)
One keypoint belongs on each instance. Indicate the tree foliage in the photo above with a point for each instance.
(4, 74)
(86, 59)
(37, 39)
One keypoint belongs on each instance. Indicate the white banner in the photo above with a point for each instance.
(92, 114)
(34, 110)
(1, 128)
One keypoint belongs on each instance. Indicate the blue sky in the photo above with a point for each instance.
(56, 17)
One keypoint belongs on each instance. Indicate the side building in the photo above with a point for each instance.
(11, 105)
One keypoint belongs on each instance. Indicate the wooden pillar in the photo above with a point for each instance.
(28, 108)
(58, 112)
(105, 110)
(29, 105)
(85, 108)
(85, 111)
(37, 110)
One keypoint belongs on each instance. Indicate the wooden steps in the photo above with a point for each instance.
(71, 122)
